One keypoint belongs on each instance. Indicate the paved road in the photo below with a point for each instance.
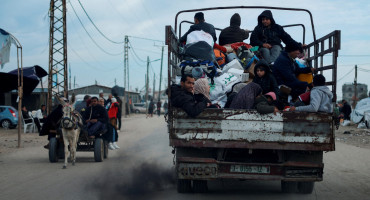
(142, 169)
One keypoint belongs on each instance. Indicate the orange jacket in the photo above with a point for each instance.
(113, 110)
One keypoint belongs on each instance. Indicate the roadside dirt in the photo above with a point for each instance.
(9, 138)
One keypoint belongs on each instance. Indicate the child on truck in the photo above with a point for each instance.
(320, 97)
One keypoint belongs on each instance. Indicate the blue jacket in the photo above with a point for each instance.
(285, 71)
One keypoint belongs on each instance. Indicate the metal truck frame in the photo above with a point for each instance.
(243, 144)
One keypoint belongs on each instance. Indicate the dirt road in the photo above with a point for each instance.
(142, 169)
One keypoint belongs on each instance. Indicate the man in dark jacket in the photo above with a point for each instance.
(268, 35)
(96, 117)
(285, 69)
(200, 24)
(183, 97)
(346, 110)
(264, 78)
(233, 33)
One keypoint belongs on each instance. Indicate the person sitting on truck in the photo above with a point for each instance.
(320, 97)
(201, 91)
(265, 103)
(285, 69)
(246, 96)
(264, 78)
(268, 35)
(182, 96)
(199, 25)
(96, 118)
(233, 33)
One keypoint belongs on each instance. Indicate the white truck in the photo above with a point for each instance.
(243, 144)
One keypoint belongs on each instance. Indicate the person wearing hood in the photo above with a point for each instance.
(264, 78)
(264, 104)
(233, 33)
(320, 97)
(200, 25)
(268, 36)
(286, 70)
(183, 97)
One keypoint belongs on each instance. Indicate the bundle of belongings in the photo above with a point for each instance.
(202, 58)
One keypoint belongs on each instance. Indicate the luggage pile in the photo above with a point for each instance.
(223, 68)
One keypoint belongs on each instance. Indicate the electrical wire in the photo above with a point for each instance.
(88, 50)
(83, 8)
(345, 75)
(112, 54)
(133, 50)
(146, 39)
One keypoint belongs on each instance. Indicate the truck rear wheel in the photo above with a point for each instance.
(200, 186)
(183, 186)
(306, 187)
(288, 186)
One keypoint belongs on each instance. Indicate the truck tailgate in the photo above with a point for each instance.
(227, 128)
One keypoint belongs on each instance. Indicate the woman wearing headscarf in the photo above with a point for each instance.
(201, 91)
(245, 98)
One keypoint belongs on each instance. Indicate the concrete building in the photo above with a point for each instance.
(348, 91)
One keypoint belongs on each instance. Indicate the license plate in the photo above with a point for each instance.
(250, 169)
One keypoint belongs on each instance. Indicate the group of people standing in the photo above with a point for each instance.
(275, 74)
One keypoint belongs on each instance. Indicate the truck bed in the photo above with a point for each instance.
(228, 128)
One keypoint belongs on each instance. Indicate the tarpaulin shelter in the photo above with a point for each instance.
(31, 78)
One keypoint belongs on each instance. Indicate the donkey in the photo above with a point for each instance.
(71, 125)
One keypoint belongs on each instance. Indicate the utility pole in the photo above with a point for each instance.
(355, 84)
(153, 86)
(126, 75)
(160, 76)
(70, 76)
(115, 81)
(74, 82)
(147, 85)
(57, 51)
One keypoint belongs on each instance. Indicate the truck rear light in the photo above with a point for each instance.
(13, 113)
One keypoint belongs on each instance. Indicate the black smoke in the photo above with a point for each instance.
(135, 182)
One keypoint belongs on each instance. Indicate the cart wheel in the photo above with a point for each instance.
(183, 186)
(98, 150)
(105, 149)
(200, 186)
(53, 150)
(288, 186)
(306, 187)
(61, 150)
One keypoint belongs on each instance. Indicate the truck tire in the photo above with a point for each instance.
(98, 150)
(183, 186)
(288, 186)
(53, 150)
(105, 149)
(200, 186)
(306, 187)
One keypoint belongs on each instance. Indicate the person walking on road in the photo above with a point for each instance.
(159, 105)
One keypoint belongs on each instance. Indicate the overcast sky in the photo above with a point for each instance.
(28, 21)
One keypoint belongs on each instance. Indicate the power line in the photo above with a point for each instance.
(146, 38)
(121, 42)
(88, 50)
(112, 54)
(346, 74)
(133, 50)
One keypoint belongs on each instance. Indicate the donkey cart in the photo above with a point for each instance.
(98, 145)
